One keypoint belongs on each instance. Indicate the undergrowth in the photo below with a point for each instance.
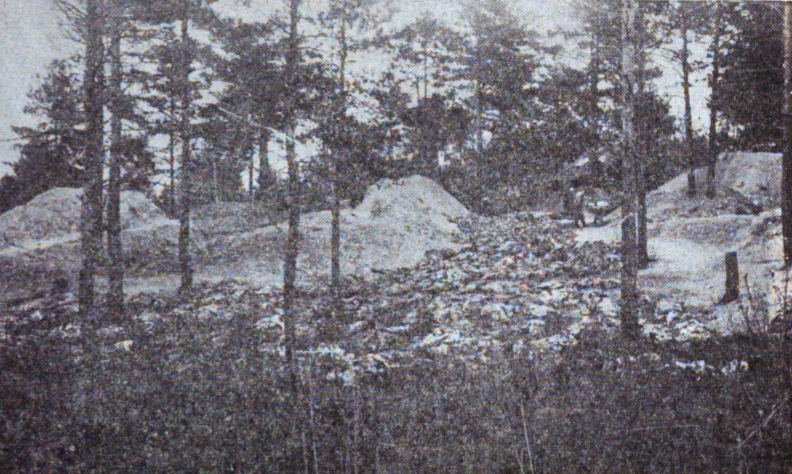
(205, 395)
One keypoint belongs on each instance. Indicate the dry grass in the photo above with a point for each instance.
(198, 395)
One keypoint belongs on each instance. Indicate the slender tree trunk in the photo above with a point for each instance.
(479, 162)
(172, 146)
(629, 289)
(426, 158)
(172, 173)
(335, 206)
(293, 191)
(596, 165)
(252, 168)
(264, 167)
(786, 199)
(688, 110)
(644, 139)
(215, 182)
(643, 232)
(714, 98)
(91, 217)
(335, 241)
(115, 252)
(425, 70)
(185, 265)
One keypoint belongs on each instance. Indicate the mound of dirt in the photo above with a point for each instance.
(743, 181)
(55, 215)
(226, 218)
(727, 230)
(689, 236)
(394, 227)
(42, 238)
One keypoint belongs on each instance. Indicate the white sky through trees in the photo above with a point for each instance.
(33, 37)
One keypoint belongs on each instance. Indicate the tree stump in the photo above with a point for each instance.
(732, 278)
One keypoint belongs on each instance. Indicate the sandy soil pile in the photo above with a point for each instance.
(741, 181)
(688, 237)
(40, 240)
(226, 218)
(55, 215)
(394, 227)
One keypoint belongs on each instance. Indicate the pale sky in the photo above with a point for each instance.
(33, 37)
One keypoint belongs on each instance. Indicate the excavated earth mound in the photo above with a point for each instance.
(55, 214)
(224, 218)
(745, 183)
(395, 225)
(688, 236)
(39, 241)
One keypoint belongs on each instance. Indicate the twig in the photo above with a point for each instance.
(661, 427)
(763, 425)
(518, 454)
(277, 133)
(527, 440)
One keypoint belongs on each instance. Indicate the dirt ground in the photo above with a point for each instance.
(688, 237)
(394, 226)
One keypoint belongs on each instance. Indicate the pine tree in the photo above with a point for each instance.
(91, 217)
(752, 74)
(684, 57)
(786, 194)
(115, 252)
(293, 191)
(499, 58)
(717, 32)
(183, 12)
(185, 162)
(629, 87)
(52, 154)
(344, 18)
(251, 67)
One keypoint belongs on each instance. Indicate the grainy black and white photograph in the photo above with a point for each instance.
(380, 236)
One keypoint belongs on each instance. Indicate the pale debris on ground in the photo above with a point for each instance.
(688, 237)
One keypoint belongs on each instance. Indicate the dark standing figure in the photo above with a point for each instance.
(579, 208)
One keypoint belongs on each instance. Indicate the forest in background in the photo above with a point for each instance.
(171, 99)
(483, 104)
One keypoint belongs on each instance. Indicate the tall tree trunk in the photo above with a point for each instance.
(685, 56)
(91, 215)
(335, 205)
(426, 156)
(172, 146)
(596, 165)
(629, 288)
(293, 192)
(115, 253)
(786, 201)
(714, 98)
(644, 139)
(185, 265)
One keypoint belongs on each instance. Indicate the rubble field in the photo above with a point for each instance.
(517, 284)
(425, 276)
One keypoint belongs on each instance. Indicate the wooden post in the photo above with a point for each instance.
(732, 278)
